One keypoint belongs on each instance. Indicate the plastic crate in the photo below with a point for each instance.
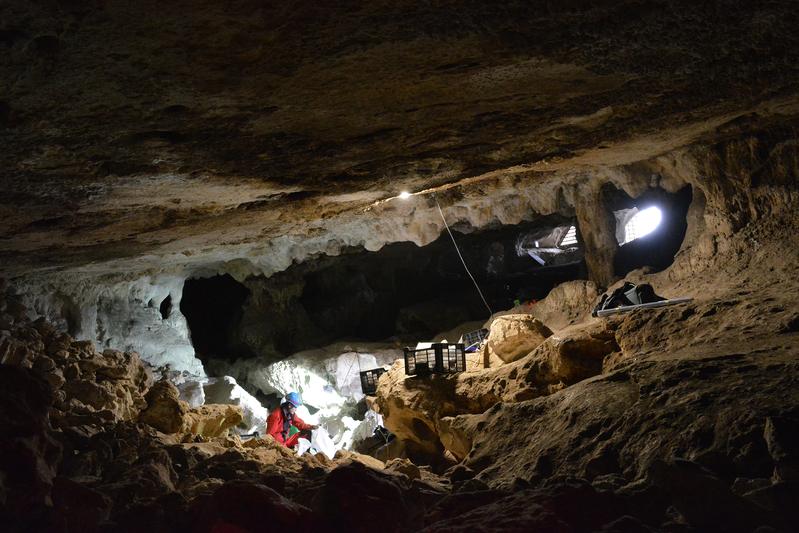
(473, 339)
(439, 358)
(369, 380)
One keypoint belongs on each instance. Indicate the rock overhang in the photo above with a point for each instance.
(208, 139)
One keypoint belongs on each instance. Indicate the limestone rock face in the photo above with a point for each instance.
(122, 314)
(514, 336)
(165, 411)
(116, 189)
(88, 387)
(566, 304)
(416, 408)
(212, 420)
(225, 390)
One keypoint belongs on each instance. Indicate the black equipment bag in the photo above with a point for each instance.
(627, 294)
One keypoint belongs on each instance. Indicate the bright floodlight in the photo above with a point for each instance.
(404, 195)
(643, 223)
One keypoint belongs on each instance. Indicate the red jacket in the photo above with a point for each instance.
(274, 427)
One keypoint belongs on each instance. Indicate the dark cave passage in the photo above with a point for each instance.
(212, 307)
(402, 293)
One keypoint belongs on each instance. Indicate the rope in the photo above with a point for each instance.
(476, 286)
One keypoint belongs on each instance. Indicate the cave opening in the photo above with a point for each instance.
(649, 228)
(166, 307)
(409, 292)
(212, 306)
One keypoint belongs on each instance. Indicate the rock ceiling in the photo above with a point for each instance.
(149, 130)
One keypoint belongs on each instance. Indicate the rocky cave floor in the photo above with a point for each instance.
(683, 418)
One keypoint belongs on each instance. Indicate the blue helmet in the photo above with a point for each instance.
(294, 399)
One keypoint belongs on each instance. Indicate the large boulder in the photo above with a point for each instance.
(573, 354)
(212, 420)
(165, 411)
(354, 494)
(566, 304)
(511, 337)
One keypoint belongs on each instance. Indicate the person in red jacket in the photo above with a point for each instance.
(283, 417)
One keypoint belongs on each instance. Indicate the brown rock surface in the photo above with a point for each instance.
(323, 130)
(241, 139)
(416, 408)
(212, 420)
(514, 336)
(566, 304)
(165, 412)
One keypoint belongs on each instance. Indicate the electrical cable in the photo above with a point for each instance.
(476, 286)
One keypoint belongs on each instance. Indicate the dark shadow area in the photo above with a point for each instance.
(166, 307)
(658, 248)
(407, 291)
(212, 307)
(402, 293)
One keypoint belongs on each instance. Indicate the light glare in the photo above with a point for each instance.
(404, 195)
(643, 223)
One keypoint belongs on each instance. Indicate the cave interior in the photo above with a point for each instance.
(207, 206)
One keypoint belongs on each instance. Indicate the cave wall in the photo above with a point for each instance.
(750, 174)
(748, 177)
(122, 315)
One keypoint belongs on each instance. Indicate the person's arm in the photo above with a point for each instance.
(301, 425)
(292, 441)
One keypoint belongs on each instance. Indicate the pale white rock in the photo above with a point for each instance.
(225, 390)
(327, 378)
(117, 313)
(346, 370)
(366, 427)
(192, 392)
